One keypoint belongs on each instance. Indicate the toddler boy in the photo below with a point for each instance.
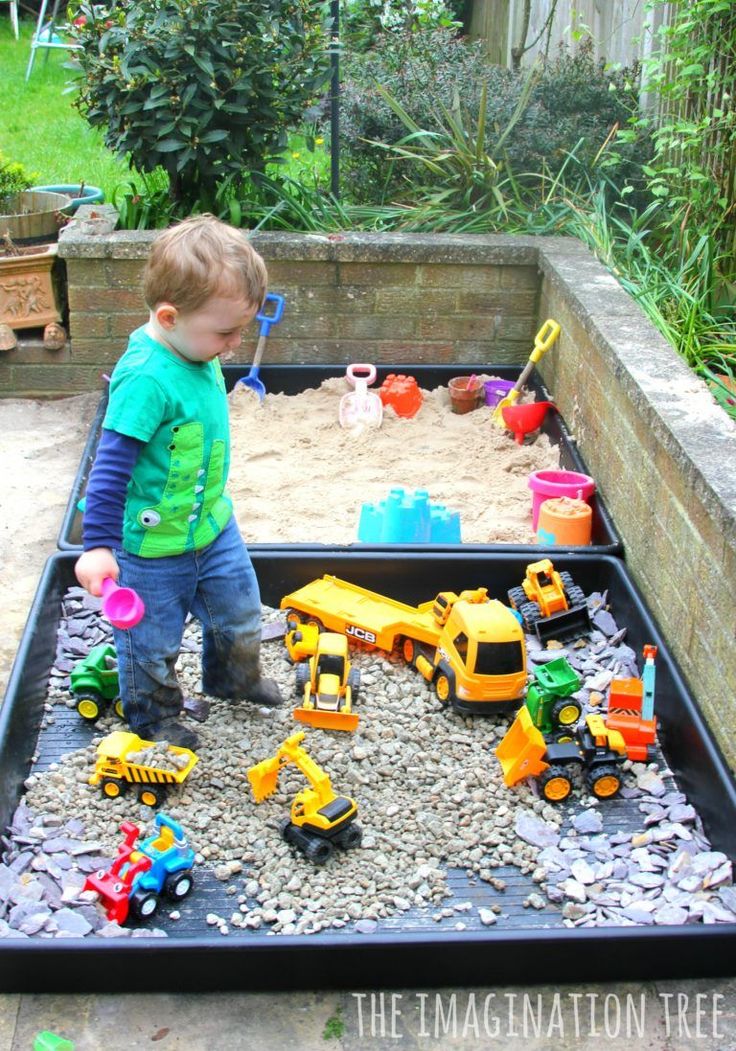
(157, 516)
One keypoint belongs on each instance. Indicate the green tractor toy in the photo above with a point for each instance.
(94, 683)
(552, 707)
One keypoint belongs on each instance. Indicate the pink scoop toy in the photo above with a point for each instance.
(123, 607)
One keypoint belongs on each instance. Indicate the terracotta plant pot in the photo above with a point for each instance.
(28, 296)
(465, 393)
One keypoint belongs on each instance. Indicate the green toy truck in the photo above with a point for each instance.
(94, 683)
(552, 707)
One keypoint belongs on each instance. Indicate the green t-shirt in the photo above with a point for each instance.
(176, 498)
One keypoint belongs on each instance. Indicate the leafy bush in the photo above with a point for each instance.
(204, 90)
(13, 178)
(573, 98)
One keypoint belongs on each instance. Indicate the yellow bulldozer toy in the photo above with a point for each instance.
(325, 682)
(320, 819)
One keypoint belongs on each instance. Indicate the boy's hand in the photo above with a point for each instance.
(93, 566)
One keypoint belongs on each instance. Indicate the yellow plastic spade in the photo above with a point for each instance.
(543, 341)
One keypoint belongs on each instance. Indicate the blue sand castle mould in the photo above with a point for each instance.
(405, 519)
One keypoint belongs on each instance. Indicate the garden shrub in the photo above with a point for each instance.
(205, 89)
(574, 98)
(13, 178)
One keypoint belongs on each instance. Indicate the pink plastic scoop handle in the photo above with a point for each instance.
(123, 607)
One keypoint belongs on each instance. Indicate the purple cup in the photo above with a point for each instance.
(496, 390)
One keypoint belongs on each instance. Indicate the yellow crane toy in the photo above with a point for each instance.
(320, 819)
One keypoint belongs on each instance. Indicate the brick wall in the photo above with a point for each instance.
(362, 297)
(664, 457)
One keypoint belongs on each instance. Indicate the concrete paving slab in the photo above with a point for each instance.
(9, 1005)
(174, 1022)
(698, 1015)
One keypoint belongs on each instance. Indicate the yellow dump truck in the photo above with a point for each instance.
(117, 767)
(471, 647)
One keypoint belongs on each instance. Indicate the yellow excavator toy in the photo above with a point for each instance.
(320, 819)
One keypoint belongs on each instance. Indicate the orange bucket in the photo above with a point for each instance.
(566, 521)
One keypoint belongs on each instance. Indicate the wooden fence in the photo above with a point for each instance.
(622, 31)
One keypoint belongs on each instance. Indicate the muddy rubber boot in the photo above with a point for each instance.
(264, 692)
(236, 676)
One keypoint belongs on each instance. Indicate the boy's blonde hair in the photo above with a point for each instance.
(199, 258)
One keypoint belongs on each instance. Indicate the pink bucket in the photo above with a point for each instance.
(548, 484)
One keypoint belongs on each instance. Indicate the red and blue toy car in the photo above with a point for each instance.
(140, 874)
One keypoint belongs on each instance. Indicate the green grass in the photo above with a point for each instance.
(39, 126)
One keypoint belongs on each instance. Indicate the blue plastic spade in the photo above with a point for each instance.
(267, 320)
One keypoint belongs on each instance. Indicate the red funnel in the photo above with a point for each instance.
(523, 419)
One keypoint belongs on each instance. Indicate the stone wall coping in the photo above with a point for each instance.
(674, 403)
(348, 247)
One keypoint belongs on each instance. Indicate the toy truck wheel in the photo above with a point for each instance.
(575, 596)
(143, 904)
(530, 614)
(112, 787)
(566, 711)
(303, 676)
(318, 851)
(555, 784)
(118, 708)
(151, 795)
(408, 650)
(604, 781)
(566, 578)
(178, 884)
(350, 837)
(444, 689)
(354, 683)
(517, 597)
(89, 706)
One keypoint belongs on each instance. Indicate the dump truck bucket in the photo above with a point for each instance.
(521, 753)
(567, 624)
(326, 720)
(263, 778)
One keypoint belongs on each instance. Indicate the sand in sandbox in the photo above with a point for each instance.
(41, 445)
(296, 476)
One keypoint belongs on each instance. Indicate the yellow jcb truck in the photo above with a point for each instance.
(471, 647)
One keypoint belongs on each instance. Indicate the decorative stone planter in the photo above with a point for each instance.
(28, 293)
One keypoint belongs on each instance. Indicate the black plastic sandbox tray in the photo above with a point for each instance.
(293, 379)
(409, 945)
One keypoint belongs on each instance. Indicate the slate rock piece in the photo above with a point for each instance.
(589, 821)
(533, 830)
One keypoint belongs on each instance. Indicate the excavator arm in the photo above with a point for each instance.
(264, 776)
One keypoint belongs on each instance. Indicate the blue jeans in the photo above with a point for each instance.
(218, 586)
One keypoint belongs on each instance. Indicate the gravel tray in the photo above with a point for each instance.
(292, 379)
(455, 949)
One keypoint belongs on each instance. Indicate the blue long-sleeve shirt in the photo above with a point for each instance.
(102, 525)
